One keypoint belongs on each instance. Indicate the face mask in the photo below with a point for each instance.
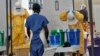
(18, 9)
(70, 15)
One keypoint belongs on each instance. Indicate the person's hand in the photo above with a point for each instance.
(48, 43)
(27, 39)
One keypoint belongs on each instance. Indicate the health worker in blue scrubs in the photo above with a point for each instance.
(36, 23)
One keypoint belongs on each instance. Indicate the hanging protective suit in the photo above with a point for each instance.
(75, 20)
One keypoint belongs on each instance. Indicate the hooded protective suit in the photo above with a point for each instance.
(76, 23)
(18, 32)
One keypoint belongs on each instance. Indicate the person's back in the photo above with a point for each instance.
(36, 23)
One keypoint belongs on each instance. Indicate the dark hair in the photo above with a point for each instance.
(36, 7)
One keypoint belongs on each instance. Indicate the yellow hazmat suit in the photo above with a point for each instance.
(78, 25)
(18, 31)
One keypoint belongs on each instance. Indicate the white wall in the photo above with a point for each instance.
(96, 11)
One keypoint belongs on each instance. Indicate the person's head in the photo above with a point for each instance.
(18, 4)
(36, 8)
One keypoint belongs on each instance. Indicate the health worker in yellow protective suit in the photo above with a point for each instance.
(75, 20)
(19, 14)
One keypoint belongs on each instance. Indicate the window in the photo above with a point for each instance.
(31, 2)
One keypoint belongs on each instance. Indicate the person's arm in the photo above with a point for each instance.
(28, 32)
(27, 28)
(46, 33)
(45, 27)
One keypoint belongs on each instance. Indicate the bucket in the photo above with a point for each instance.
(52, 41)
(59, 34)
(55, 40)
(73, 36)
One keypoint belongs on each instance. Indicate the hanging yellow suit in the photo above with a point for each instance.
(18, 31)
(79, 17)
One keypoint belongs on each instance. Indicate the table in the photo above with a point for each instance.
(67, 49)
(51, 50)
(2, 48)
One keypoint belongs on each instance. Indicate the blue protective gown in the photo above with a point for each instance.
(36, 23)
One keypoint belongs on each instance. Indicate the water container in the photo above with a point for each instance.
(1, 38)
(57, 40)
(52, 41)
(73, 36)
(62, 38)
(60, 33)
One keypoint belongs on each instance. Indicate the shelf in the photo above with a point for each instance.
(2, 48)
